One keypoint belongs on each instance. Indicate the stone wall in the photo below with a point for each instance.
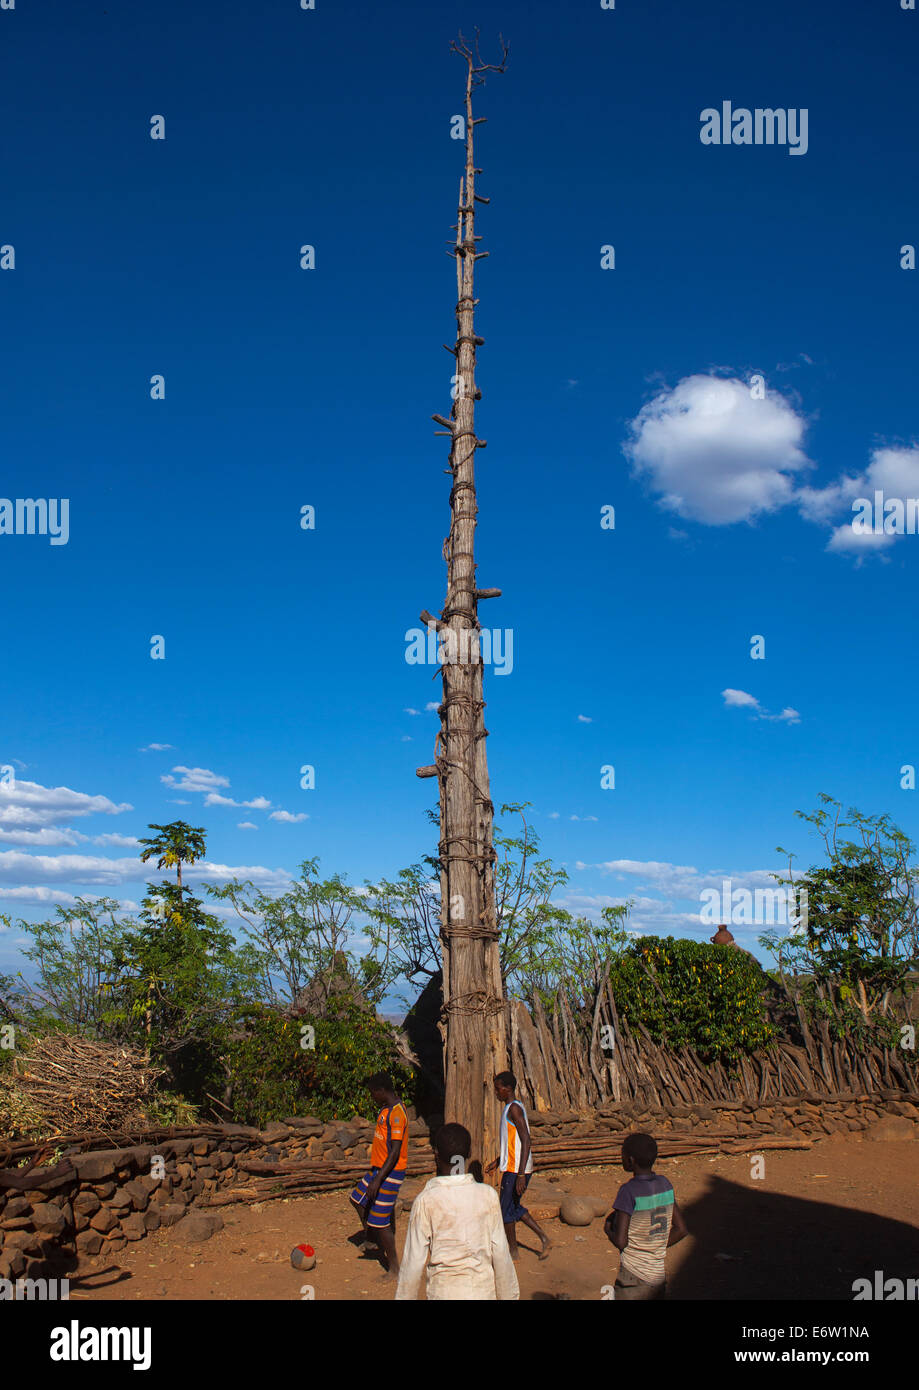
(92, 1204)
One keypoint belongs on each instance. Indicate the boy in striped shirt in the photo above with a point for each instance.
(375, 1196)
(644, 1222)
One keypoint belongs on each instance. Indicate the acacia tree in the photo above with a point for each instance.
(475, 1044)
(860, 932)
(302, 939)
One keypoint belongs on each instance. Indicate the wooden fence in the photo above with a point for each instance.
(562, 1065)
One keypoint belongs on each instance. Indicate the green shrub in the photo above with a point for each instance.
(273, 1076)
(687, 993)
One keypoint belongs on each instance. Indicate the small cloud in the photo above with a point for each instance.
(288, 817)
(179, 801)
(553, 815)
(125, 841)
(246, 825)
(194, 779)
(739, 697)
(259, 803)
(407, 710)
(407, 738)
(572, 381)
(676, 535)
(432, 706)
(155, 748)
(585, 719)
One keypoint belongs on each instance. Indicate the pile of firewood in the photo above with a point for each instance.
(68, 1083)
(299, 1177)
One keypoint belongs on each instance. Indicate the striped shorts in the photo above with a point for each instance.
(382, 1210)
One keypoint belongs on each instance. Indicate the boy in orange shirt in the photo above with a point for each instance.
(374, 1198)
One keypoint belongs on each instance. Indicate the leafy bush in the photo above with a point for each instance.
(687, 993)
(273, 1075)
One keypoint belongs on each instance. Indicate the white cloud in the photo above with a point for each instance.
(49, 836)
(893, 471)
(553, 815)
(288, 817)
(714, 453)
(584, 719)
(740, 698)
(28, 805)
(411, 711)
(117, 841)
(259, 803)
(246, 825)
(67, 868)
(432, 706)
(406, 738)
(194, 779)
(156, 748)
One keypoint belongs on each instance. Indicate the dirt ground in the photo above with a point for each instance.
(816, 1220)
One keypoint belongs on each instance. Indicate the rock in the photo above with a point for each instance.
(171, 1214)
(308, 1125)
(27, 1241)
(89, 1243)
(892, 1127)
(104, 1220)
(12, 1263)
(200, 1147)
(334, 1153)
(16, 1206)
(133, 1227)
(48, 1219)
(16, 1223)
(139, 1193)
(94, 1167)
(199, 1226)
(600, 1206)
(152, 1219)
(104, 1189)
(86, 1204)
(576, 1211)
(120, 1199)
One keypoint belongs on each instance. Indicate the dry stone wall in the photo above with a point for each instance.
(93, 1204)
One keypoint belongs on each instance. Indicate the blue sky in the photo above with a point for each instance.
(627, 387)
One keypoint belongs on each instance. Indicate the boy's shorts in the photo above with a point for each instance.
(511, 1209)
(382, 1210)
(630, 1289)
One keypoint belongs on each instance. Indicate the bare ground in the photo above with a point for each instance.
(816, 1221)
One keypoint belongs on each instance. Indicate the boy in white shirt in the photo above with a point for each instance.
(455, 1225)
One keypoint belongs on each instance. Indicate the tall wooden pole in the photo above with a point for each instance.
(475, 1043)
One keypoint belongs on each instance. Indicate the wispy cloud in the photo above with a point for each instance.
(741, 699)
(194, 779)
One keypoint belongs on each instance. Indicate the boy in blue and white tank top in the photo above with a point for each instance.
(516, 1162)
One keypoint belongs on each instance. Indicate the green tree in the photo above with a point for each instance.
(858, 933)
(176, 844)
(303, 939)
(83, 973)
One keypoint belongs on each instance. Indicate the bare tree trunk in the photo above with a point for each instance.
(476, 1040)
